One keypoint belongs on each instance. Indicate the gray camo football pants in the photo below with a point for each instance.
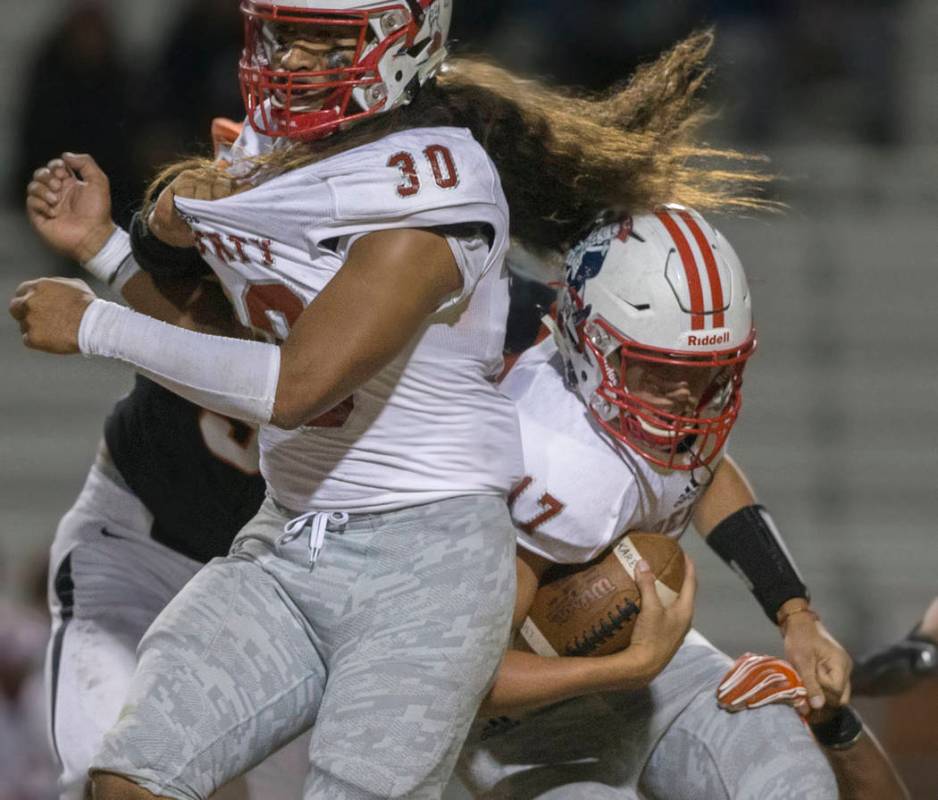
(386, 647)
(667, 742)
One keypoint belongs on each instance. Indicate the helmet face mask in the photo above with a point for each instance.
(628, 360)
(675, 410)
(337, 47)
(313, 66)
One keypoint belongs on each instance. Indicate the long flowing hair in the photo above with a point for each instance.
(563, 157)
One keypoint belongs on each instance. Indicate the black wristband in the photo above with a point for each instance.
(840, 731)
(162, 260)
(749, 543)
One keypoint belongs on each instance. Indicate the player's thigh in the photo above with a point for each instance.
(227, 675)
(761, 754)
(596, 740)
(571, 750)
(281, 775)
(102, 600)
(88, 670)
(432, 624)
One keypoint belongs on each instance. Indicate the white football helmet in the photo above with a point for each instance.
(654, 325)
(400, 44)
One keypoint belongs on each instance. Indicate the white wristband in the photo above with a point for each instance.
(128, 268)
(106, 263)
(234, 377)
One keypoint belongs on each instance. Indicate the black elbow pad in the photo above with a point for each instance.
(162, 260)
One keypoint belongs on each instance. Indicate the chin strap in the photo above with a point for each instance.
(551, 324)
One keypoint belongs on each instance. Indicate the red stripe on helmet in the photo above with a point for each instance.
(716, 287)
(690, 268)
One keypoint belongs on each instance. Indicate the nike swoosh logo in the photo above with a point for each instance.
(106, 532)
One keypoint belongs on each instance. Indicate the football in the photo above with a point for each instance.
(590, 609)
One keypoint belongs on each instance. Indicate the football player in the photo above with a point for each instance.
(362, 230)
(170, 487)
(625, 414)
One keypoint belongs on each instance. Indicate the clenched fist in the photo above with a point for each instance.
(165, 221)
(68, 203)
(49, 312)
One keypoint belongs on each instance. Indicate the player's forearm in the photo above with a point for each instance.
(168, 303)
(864, 772)
(182, 299)
(246, 380)
(743, 534)
(526, 681)
(190, 303)
(229, 376)
(371, 311)
(727, 493)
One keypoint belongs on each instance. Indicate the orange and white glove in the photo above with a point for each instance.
(754, 681)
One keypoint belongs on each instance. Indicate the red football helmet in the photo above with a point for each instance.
(654, 326)
(389, 48)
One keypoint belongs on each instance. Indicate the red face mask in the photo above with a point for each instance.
(305, 73)
(674, 409)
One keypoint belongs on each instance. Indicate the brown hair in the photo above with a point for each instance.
(564, 157)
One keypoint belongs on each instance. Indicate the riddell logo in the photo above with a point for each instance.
(707, 339)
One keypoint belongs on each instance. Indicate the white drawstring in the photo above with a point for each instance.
(318, 522)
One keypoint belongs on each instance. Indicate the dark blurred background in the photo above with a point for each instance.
(838, 432)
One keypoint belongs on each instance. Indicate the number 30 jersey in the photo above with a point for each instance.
(581, 492)
(432, 424)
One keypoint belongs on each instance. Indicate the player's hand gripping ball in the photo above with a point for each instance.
(590, 609)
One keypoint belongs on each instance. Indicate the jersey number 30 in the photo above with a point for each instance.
(442, 165)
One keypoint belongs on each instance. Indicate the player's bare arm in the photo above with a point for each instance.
(365, 316)
(822, 663)
(392, 281)
(527, 681)
(863, 769)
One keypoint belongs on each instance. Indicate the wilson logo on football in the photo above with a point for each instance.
(573, 603)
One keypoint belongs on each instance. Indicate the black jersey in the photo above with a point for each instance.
(195, 471)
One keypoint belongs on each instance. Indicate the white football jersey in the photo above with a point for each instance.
(582, 491)
(432, 424)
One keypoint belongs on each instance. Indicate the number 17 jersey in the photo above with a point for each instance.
(582, 491)
(432, 424)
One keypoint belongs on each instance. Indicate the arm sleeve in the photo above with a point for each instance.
(234, 377)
